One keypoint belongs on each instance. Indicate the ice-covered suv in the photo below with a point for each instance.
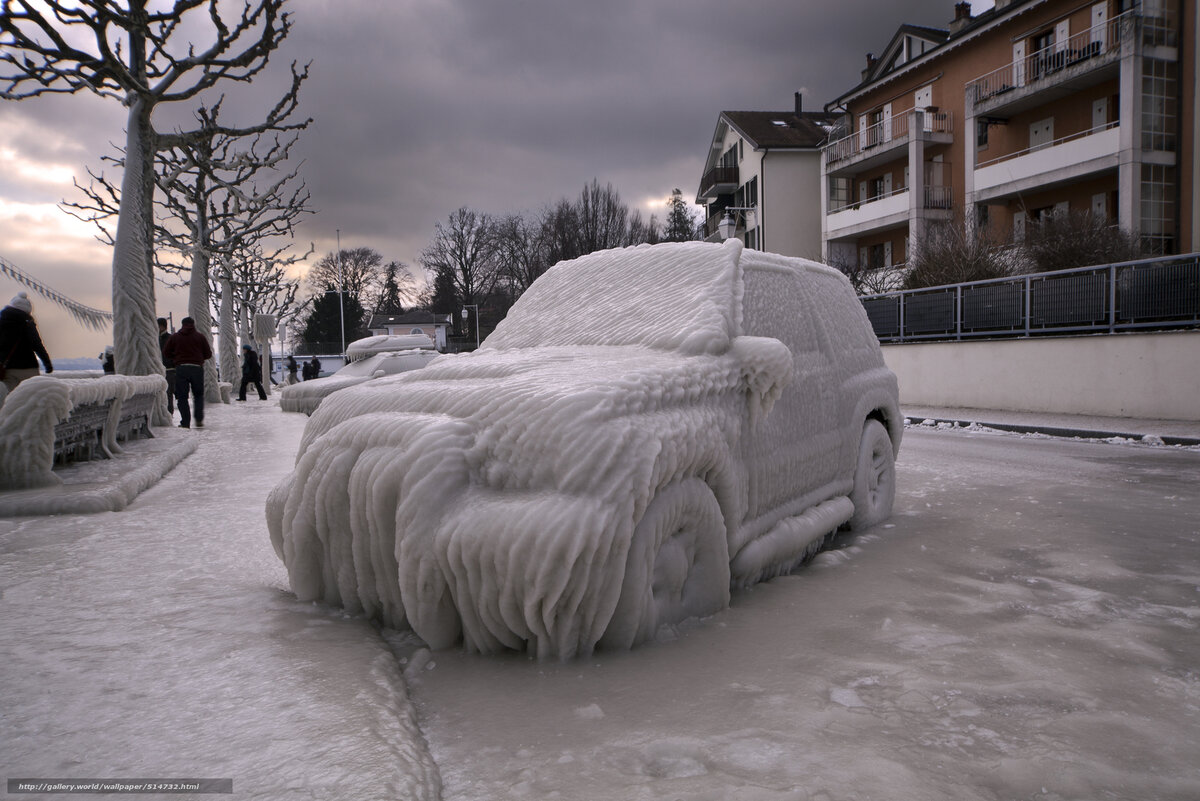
(647, 428)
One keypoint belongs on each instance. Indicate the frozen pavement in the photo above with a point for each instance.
(161, 641)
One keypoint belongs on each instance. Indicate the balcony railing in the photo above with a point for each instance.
(893, 131)
(1146, 294)
(1041, 67)
(718, 176)
(1044, 145)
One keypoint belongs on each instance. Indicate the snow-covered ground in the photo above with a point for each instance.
(161, 641)
(1025, 627)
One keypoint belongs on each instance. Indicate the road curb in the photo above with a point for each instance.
(1058, 431)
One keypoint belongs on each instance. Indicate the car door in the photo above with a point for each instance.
(792, 454)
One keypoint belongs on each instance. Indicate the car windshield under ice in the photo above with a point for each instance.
(679, 298)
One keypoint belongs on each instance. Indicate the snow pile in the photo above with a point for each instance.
(386, 343)
(37, 405)
(306, 396)
(579, 479)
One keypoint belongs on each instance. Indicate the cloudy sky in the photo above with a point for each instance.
(422, 106)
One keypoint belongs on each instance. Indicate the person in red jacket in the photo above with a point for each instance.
(188, 348)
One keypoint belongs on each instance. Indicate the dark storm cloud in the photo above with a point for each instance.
(504, 106)
(421, 107)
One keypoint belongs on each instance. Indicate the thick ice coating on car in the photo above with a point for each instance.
(580, 479)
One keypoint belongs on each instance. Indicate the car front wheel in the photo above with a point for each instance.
(874, 477)
(678, 565)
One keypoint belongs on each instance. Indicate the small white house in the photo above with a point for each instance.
(415, 322)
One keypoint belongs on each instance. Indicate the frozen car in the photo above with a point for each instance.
(648, 428)
(367, 358)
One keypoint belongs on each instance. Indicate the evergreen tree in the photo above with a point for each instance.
(324, 325)
(391, 296)
(681, 223)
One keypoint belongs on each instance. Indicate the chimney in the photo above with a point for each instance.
(962, 17)
(870, 65)
(799, 104)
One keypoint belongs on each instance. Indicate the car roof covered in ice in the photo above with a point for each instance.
(682, 297)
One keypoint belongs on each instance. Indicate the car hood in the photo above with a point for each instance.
(541, 412)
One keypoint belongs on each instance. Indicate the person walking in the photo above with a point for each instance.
(292, 367)
(314, 368)
(251, 373)
(168, 364)
(20, 343)
(188, 348)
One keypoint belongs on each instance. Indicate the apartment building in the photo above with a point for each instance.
(1032, 108)
(762, 179)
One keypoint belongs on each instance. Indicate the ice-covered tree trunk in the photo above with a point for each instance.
(135, 332)
(199, 309)
(228, 335)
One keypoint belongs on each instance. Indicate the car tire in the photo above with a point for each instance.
(874, 477)
(677, 567)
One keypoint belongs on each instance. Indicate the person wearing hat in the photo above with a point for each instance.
(251, 373)
(20, 344)
(188, 349)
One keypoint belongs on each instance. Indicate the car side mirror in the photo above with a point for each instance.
(766, 368)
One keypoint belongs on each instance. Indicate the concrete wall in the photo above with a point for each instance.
(1123, 375)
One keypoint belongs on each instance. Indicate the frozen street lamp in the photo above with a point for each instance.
(728, 225)
(465, 316)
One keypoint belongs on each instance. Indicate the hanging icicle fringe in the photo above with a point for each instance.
(84, 315)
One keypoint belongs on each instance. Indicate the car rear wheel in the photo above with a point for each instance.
(678, 565)
(874, 477)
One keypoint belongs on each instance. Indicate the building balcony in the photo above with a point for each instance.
(1064, 160)
(884, 142)
(1085, 59)
(718, 181)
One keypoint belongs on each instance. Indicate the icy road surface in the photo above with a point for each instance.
(1025, 628)
(161, 642)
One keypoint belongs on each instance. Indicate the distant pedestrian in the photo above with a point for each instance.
(168, 365)
(314, 367)
(251, 373)
(20, 344)
(188, 348)
(106, 360)
(292, 367)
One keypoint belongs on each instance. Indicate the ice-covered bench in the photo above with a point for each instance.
(46, 418)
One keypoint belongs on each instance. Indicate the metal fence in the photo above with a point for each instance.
(1151, 293)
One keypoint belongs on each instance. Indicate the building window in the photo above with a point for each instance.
(981, 134)
(1158, 209)
(1158, 105)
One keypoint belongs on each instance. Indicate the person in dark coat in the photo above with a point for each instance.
(292, 367)
(106, 360)
(168, 365)
(188, 348)
(251, 373)
(20, 344)
(314, 368)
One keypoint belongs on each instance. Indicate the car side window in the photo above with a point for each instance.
(840, 314)
(776, 305)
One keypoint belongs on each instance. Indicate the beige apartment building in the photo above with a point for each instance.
(1031, 108)
(762, 178)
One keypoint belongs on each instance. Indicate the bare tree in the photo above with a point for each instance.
(1061, 241)
(141, 57)
(463, 250)
(358, 271)
(520, 250)
(951, 252)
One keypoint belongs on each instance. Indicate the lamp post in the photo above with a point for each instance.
(341, 295)
(465, 316)
(728, 225)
